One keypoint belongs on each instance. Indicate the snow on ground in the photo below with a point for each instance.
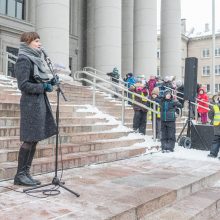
(151, 145)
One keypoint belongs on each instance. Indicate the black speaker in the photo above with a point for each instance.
(190, 79)
(206, 132)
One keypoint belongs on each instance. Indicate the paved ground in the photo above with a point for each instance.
(109, 190)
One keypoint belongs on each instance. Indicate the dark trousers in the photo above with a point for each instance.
(215, 145)
(168, 135)
(140, 121)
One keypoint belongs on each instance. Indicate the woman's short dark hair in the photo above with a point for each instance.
(28, 37)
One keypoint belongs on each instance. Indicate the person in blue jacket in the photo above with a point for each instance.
(168, 118)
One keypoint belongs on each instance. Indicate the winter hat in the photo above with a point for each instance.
(166, 79)
(179, 83)
(155, 91)
(167, 91)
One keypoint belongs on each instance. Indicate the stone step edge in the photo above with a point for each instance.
(166, 199)
(209, 207)
(84, 158)
(50, 147)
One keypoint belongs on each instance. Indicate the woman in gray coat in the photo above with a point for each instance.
(37, 122)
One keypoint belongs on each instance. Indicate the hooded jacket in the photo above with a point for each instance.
(202, 101)
(168, 108)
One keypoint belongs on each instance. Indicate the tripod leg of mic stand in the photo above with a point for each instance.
(71, 191)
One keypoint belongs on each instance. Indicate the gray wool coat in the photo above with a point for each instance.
(37, 122)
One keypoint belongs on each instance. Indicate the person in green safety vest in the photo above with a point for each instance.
(214, 116)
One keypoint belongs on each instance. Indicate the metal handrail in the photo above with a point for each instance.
(91, 69)
(79, 76)
(194, 103)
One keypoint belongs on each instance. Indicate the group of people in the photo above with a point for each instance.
(37, 122)
(160, 94)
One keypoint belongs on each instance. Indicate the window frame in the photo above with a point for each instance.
(6, 11)
(205, 53)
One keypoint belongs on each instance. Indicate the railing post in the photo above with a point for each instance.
(123, 107)
(196, 112)
(94, 88)
(154, 121)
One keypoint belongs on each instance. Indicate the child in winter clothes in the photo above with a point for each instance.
(130, 80)
(168, 126)
(203, 102)
(214, 116)
(155, 97)
(140, 113)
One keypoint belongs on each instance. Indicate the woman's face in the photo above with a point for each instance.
(35, 44)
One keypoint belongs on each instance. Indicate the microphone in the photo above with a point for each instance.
(46, 57)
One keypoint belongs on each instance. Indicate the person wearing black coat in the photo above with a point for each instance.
(37, 122)
(168, 118)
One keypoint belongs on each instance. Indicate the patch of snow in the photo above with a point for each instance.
(190, 154)
(99, 114)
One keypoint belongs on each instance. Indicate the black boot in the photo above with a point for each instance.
(21, 177)
(29, 162)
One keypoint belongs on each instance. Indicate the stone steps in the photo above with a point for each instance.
(82, 137)
(43, 150)
(15, 121)
(15, 130)
(203, 204)
(46, 164)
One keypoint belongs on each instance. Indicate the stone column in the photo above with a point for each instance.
(145, 37)
(90, 33)
(170, 49)
(127, 36)
(52, 23)
(107, 35)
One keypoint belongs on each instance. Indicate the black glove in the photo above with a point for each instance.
(48, 87)
(54, 81)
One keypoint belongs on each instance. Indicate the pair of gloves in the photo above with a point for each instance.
(48, 86)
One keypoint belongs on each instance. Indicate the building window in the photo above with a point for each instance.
(158, 71)
(205, 53)
(206, 71)
(217, 52)
(11, 66)
(12, 8)
(217, 70)
(217, 87)
(158, 53)
(207, 88)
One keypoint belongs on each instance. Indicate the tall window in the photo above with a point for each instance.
(217, 70)
(158, 53)
(205, 53)
(207, 88)
(158, 71)
(217, 87)
(11, 66)
(12, 8)
(206, 71)
(217, 52)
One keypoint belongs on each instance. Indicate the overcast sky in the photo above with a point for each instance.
(199, 12)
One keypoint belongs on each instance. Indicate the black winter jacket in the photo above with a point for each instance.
(168, 108)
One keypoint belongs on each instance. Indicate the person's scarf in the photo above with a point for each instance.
(35, 56)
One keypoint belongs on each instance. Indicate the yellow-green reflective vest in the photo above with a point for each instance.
(150, 114)
(142, 94)
(216, 120)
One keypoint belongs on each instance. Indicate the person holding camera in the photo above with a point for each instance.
(168, 126)
(36, 119)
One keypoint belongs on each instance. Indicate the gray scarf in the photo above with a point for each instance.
(34, 55)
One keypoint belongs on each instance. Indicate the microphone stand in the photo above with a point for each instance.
(56, 181)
